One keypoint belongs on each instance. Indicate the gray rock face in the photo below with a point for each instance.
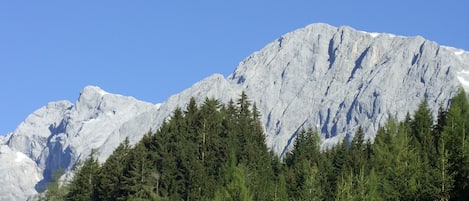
(61, 133)
(332, 79)
(336, 79)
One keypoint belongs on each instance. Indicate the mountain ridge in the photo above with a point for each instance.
(330, 78)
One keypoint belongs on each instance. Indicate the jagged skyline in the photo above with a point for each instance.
(332, 78)
(50, 51)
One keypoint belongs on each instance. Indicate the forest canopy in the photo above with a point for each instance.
(217, 151)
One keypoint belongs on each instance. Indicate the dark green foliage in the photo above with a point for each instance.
(218, 152)
(235, 186)
(111, 175)
(358, 151)
(204, 152)
(422, 128)
(302, 173)
(456, 144)
(137, 176)
(84, 185)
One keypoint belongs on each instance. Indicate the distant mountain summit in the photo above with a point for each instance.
(333, 79)
(61, 133)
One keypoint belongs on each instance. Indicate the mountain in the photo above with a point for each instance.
(330, 78)
(61, 133)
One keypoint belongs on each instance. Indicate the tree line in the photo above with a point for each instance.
(218, 152)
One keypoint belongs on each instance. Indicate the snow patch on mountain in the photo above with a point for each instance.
(61, 133)
(20, 157)
(333, 79)
(376, 34)
(18, 173)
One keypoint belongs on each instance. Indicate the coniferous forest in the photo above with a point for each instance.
(218, 152)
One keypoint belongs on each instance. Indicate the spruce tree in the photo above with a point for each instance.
(303, 183)
(83, 187)
(455, 136)
(111, 173)
(422, 124)
(242, 129)
(311, 189)
(230, 131)
(384, 159)
(445, 176)
(137, 178)
(280, 192)
(438, 127)
(372, 185)
(345, 187)
(357, 152)
(213, 153)
(235, 187)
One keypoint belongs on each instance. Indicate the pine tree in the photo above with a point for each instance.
(311, 189)
(242, 129)
(257, 158)
(406, 170)
(235, 188)
(137, 178)
(280, 192)
(230, 127)
(423, 138)
(345, 187)
(83, 187)
(372, 185)
(439, 126)
(213, 153)
(444, 177)
(384, 159)
(303, 183)
(455, 137)
(191, 113)
(422, 124)
(111, 173)
(358, 154)
(327, 177)
(340, 158)
(360, 186)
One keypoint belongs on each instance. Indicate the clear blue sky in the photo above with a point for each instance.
(50, 50)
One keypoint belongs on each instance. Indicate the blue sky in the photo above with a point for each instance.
(50, 50)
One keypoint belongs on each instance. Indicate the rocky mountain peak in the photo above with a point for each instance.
(336, 79)
(333, 79)
(62, 133)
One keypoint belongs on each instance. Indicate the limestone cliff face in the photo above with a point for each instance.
(61, 133)
(333, 79)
